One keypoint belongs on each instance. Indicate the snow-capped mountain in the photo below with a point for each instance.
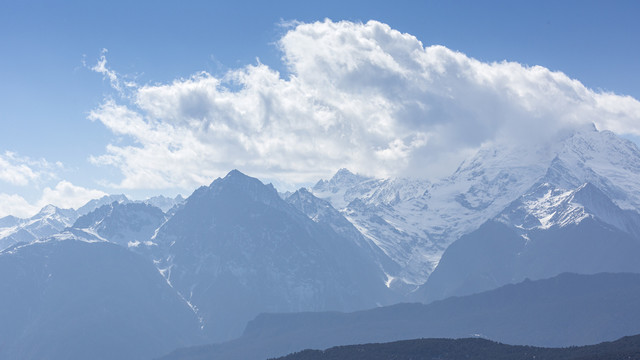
(52, 220)
(127, 224)
(235, 249)
(387, 213)
(49, 221)
(321, 212)
(581, 216)
(414, 221)
(603, 159)
(548, 206)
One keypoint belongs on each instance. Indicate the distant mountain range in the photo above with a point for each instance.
(52, 220)
(238, 248)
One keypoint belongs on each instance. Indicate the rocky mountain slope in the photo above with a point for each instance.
(72, 298)
(235, 249)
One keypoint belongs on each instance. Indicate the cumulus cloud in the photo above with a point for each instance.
(16, 205)
(22, 171)
(15, 174)
(29, 175)
(361, 96)
(64, 195)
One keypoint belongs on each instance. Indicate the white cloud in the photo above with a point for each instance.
(64, 195)
(31, 176)
(101, 67)
(361, 96)
(22, 171)
(15, 174)
(16, 205)
(115, 80)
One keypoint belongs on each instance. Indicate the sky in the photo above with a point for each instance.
(160, 97)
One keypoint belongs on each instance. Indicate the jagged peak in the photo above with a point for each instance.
(235, 173)
(342, 178)
(237, 177)
(48, 210)
(303, 192)
(243, 185)
(345, 175)
(303, 195)
(343, 172)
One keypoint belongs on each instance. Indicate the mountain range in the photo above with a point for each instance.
(52, 220)
(588, 176)
(237, 248)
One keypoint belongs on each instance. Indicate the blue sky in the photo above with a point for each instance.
(49, 89)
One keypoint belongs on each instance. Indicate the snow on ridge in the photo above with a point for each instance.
(414, 221)
(556, 208)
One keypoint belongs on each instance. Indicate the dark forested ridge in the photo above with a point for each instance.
(473, 348)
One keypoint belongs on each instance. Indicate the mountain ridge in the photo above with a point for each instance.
(566, 310)
(237, 239)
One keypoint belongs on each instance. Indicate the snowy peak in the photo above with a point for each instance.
(603, 159)
(53, 213)
(593, 174)
(343, 178)
(126, 224)
(345, 187)
(48, 210)
(49, 221)
(313, 207)
(548, 206)
(559, 173)
(338, 189)
(414, 221)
